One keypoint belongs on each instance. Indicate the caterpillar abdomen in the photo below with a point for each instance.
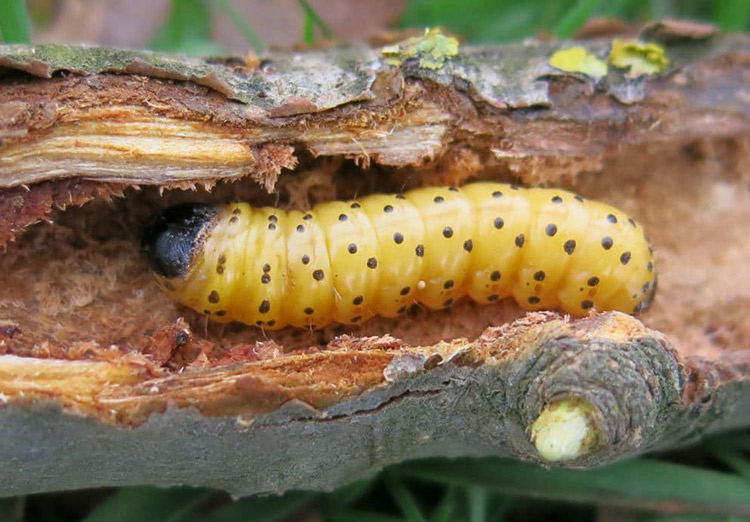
(347, 261)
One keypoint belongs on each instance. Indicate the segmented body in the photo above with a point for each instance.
(347, 261)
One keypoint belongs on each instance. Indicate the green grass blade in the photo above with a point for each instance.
(314, 21)
(261, 509)
(228, 9)
(615, 8)
(739, 441)
(733, 459)
(732, 15)
(403, 497)
(575, 17)
(348, 495)
(690, 517)
(660, 9)
(639, 483)
(477, 500)
(187, 29)
(308, 30)
(14, 21)
(147, 504)
(361, 516)
(483, 20)
(499, 507)
(446, 510)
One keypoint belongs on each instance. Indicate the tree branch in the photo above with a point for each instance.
(109, 383)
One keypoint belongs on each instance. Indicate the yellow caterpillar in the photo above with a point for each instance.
(347, 261)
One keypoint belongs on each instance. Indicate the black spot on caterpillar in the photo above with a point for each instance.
(352, 260)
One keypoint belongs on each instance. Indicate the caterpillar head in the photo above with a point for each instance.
(169, 239)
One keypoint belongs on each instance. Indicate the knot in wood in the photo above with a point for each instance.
(632, 383)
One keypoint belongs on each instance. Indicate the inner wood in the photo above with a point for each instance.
(79, 285)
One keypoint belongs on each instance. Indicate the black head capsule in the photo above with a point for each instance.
(169, 238)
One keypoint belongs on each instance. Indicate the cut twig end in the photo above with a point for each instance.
(565, 430)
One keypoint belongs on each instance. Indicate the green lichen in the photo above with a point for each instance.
(579, 60)
(432, 49)
(640, 58)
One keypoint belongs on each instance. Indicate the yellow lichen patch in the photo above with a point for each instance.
(641, 58)
(433, 49)
(579, 60)
(565, 430)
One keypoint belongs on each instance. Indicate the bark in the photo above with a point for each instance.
(460, 399)
(108, 383)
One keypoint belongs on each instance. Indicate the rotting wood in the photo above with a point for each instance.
(79, 125)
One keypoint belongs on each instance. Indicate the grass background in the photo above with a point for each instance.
(710, 481)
